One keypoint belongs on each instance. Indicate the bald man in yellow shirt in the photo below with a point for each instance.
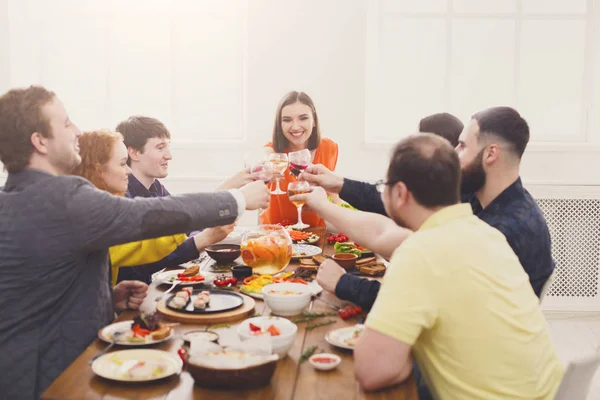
(455, 295)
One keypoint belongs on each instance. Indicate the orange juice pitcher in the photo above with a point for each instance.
(267, 249)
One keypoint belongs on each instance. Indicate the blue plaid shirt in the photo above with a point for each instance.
(185, 252)
(516, 214)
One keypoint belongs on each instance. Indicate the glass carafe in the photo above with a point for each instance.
(267, 249)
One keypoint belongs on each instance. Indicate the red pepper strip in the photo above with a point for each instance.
(254, 328)
(249, 279)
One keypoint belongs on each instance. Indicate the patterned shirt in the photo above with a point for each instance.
(183, 253)
(516, 214)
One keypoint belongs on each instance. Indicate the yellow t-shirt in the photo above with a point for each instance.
(456, 293)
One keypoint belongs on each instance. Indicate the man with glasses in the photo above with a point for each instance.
(490, 152)
(455, 296)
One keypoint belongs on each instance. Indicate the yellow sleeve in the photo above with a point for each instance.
(142, 252)
(406, 303)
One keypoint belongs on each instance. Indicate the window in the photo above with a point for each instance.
(461, 56)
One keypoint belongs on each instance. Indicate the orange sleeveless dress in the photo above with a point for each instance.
(281, 210)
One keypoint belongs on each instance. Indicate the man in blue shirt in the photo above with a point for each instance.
(147, 140)
(490, 150)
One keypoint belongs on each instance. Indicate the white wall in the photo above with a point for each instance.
(312, 45)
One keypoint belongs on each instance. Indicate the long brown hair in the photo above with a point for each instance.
(280, 142)
(96, 148)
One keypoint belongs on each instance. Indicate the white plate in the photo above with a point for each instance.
(316, 288)
(307, 249)
(166, 276)
(338, 337)
(114, 365)
(106, 335)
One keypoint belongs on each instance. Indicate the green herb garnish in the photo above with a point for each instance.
(310, 327)
(307, 354)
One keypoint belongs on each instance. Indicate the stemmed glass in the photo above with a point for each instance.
(280, 164)
(294, 188)
(262, 170)
(299, 161)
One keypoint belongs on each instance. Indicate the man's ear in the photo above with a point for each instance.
(134, 154)
(491, 154)
(400, 194)
(39, 142)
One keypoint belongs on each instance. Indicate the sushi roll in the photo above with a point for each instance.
(178, 302)
(202, 300)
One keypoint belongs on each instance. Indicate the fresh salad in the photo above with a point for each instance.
(349, 247)
(255, 283)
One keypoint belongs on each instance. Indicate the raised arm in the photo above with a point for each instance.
(361, 195)
(101, 220)
(376, 232)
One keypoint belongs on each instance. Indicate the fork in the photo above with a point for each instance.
(116, 336)
(167, 292)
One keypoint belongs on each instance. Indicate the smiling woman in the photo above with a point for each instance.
(104, 163)
(297, 129)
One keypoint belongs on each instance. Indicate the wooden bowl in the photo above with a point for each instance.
(224, 253)
(244, 378)
(345, 260)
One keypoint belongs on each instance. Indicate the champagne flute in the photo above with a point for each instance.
(294, 188)
(280, 164)
(299, 161)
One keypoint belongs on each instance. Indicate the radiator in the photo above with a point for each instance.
(574, 225)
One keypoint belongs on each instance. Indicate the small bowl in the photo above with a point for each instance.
(324, 366)
(345, 260)
(241, 272)
(281, 344)
(224, 253)
(208, 335)
(287, 305)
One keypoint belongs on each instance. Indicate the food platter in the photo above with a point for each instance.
(304, 250)
(345, 338)
(220, 301)
(139, 365)
(127, 338)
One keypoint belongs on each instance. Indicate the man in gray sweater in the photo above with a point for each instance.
(55, 231)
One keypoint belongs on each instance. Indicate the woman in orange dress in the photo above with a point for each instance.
(297, 128)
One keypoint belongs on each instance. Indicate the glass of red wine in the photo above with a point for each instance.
(299, 161)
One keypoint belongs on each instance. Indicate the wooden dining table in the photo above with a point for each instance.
(291, 380)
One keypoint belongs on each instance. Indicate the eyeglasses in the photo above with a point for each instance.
(380, 185)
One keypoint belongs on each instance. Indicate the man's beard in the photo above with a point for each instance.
(473, 175)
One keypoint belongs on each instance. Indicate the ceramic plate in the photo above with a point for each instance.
(106, 334)
(170, 277)
(220, 301)
(139, 365)
(316, 288)
(305, 250)
(343, 337)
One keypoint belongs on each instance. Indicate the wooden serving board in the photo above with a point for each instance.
(217, 318)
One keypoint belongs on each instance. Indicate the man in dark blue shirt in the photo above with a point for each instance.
(147, 140)
(490, 150)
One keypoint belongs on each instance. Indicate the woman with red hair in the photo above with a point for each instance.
(104, 163)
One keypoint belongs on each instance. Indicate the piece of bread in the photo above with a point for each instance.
(161, 333)
(191, 271)
(319, 259)
(307, 261)
(365, 261)
(373, 270)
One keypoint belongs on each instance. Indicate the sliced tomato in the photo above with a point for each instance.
(254, 328)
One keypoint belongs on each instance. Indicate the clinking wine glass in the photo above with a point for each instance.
(294, 188)
(280, 164)
(299, 161)
(262, 170)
